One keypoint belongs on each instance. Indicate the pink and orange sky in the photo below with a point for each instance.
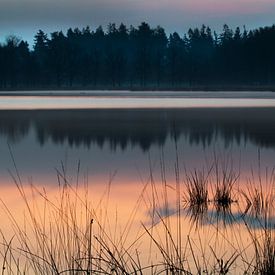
(25, 17)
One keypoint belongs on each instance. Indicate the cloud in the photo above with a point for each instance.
(89, 11)
(22, 16)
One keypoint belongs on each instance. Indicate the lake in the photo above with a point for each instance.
(137, 165)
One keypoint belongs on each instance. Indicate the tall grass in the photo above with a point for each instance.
(259, 193)
(196, 196)
(197, 188)
(224, 183)
(70, 234)
(67, 234)
(263, 240)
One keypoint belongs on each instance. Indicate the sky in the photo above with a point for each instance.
(25, 17)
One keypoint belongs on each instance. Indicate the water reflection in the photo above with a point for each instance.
(226, 217)
(145, 190)
(143, 128)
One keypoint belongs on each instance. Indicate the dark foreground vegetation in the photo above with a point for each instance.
(67, 235)
(140, 58)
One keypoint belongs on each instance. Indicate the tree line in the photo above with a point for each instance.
(142, 57)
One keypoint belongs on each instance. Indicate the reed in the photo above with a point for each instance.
(225, 180)
(70, 234)
(259, 192)
(197, 188)
(196, 196)
(263, 240)
(67, 234)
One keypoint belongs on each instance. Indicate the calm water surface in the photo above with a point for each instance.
(129, 148)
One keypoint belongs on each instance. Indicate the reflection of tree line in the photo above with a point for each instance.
(122, 128)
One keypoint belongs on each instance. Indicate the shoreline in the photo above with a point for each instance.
(142, 94)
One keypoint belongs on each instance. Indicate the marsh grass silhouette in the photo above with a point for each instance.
(68, 235)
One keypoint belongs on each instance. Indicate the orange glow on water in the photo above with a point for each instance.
(123, 208)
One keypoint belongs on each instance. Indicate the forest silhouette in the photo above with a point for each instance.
(140, 57)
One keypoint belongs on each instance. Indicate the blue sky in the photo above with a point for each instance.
(25, 17)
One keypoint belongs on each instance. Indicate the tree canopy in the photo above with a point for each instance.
(142, 57)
